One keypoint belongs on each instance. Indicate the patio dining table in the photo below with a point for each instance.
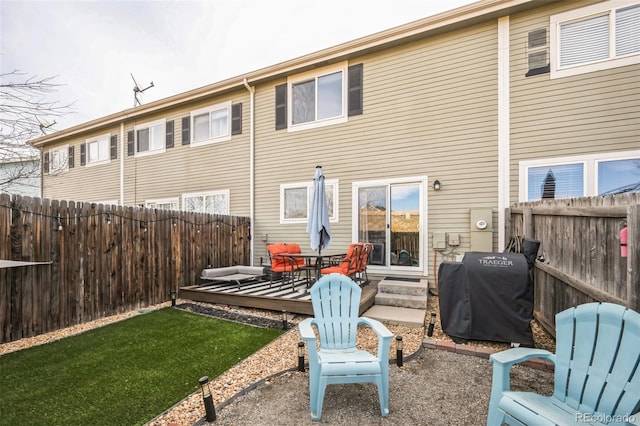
(312, 262)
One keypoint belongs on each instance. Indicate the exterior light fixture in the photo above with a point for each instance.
(399, 351)
(173, 298)
(207, 399)
(301, 356)
(143, 226)
(285, 323)
(59, 224)
(432, 323)
(107, 218)
(436, 185)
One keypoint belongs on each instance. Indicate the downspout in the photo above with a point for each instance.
(504, 131)
(122, 148)
(252, 91)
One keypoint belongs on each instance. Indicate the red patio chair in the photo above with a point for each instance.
(281, 264)
(348, 265)
(361, 274)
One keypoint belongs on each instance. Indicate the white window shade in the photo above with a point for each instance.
(628, 30)
(584, 41)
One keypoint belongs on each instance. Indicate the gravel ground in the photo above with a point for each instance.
(433, 387)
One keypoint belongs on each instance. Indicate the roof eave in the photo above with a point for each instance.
(475, 12)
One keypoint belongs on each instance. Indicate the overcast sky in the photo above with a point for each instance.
(93, 46)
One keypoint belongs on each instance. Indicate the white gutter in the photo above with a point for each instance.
(252, 91)
(122, 148)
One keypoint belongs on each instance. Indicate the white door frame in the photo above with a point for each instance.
(423, 185)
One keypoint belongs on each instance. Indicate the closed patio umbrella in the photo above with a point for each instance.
(318, 226)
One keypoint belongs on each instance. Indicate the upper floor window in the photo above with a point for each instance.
(214, 202)
(295, 201)
(57, 159)
(164, 204)
(595, 37)
(150, 137)
(319, 97)
(212, 124)
(596, 174)
(98, 150)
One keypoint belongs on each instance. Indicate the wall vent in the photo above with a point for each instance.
(537, 52)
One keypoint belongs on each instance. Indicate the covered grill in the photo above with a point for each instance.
(487, 296)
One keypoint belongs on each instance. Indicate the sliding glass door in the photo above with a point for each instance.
(390, 216)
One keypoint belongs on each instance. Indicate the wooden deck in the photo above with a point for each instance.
(262, 294)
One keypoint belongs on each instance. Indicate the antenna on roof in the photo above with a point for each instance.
(44, 124)
(137, 89)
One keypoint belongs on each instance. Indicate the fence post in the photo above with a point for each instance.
(527, 222)
(633, 256)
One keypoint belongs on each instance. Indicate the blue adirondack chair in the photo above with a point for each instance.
(597, 376)
(336, 299)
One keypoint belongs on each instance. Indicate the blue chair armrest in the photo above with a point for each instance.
(513, 356)
(308, 335)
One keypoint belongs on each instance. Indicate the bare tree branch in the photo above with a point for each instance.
(25, 114)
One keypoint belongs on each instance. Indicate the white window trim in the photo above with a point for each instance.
(583, 13)
(309, 185)
(590, 169)
(107, 137)
(209, 109)
(342, 66)
(147, 125)
(65, 149)
(224, 192)
(162, 201)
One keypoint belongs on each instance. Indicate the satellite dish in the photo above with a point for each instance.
(44, 124)
(137, 89)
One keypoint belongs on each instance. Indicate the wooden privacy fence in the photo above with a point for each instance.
(580, 242)
(104, 259)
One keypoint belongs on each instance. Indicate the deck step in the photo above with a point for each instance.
(406, 317)
(401, 300)
(409, 288)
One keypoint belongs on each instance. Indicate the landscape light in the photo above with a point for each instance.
(301, 356)
(399, 351)
(207, 399)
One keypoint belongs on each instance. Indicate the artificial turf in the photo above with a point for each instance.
(125, 373)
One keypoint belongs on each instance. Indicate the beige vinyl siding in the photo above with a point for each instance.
(430, 109)
(98, 182)
(187, 169)
(596, 112)
(170, 174)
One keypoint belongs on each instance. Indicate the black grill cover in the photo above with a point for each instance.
(489, 296)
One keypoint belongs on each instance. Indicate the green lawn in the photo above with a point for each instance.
(125, 373)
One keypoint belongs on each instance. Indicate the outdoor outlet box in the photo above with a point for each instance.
(453, 239)
(439, 241)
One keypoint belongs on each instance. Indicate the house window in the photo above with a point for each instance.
(215, 202)
(589, 175)
(618, 176)
(150, 137)
(211, 124)
(165, 204)
(59, 159)
(295, 201)
(317, 98)
(595, 37)
(98, 150)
